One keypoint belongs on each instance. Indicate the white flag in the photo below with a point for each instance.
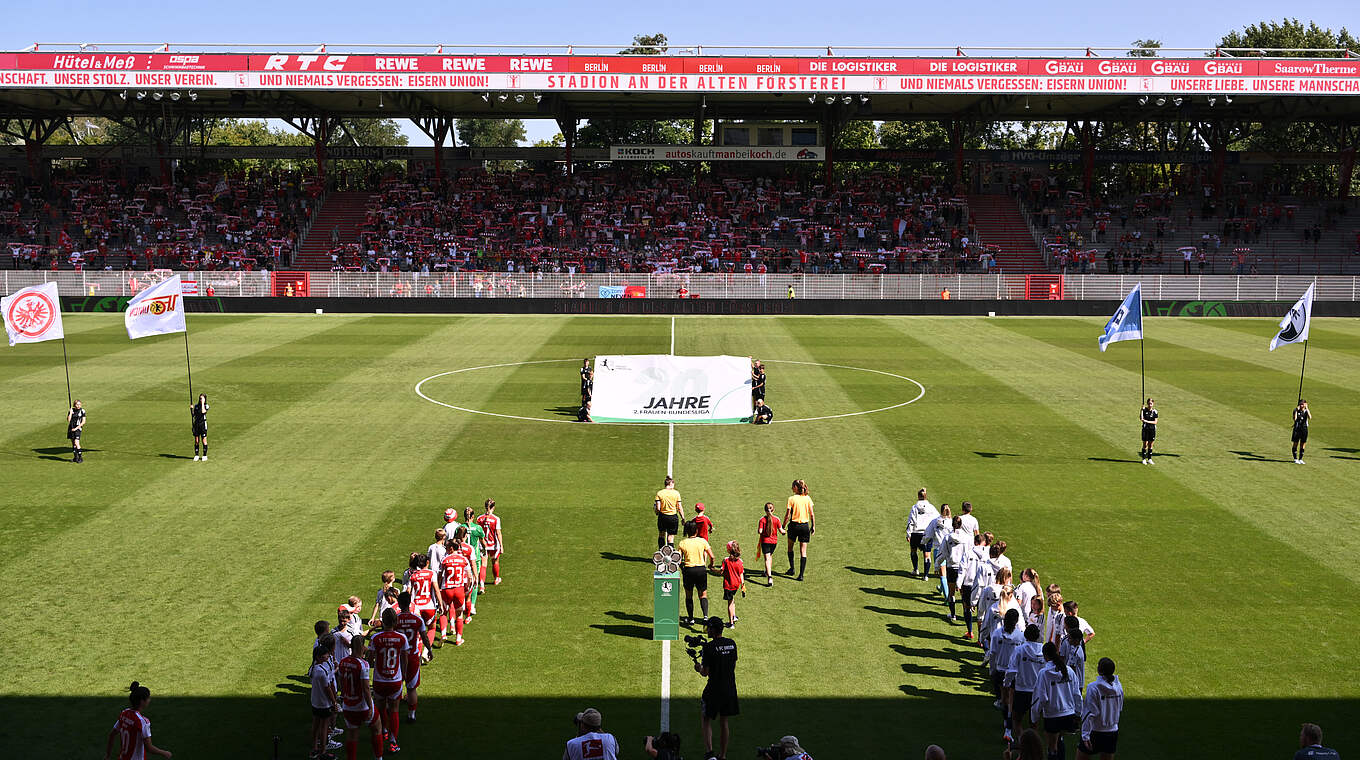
(1294, 326)
(156, 311)
(33, 315)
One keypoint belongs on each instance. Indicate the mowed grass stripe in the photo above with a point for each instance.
(109, 369)
(1333, 355)
(849, 467)
(1233, 376)
(575, 504)
(1218, 422)
(197, 581)
(137, 430)
(89, 338)
(1207, 505)
(822, 638)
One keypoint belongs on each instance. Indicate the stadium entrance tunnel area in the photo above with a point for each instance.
(546, 390)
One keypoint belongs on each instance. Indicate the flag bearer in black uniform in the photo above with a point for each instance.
(199, 413)
(1300, 437)
(75, 423)
(1148, 416)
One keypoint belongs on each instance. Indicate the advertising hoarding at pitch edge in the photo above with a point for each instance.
(691, 74)
(665, 388)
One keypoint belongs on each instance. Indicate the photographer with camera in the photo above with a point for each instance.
(591, 743)
(718, 663)
(786, 749)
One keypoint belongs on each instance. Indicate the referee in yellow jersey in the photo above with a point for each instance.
(669, 513)
(696, 557)
(801, 524)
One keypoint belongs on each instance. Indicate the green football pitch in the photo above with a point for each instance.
(1222, 580)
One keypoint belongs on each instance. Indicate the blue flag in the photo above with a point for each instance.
(1127, 322)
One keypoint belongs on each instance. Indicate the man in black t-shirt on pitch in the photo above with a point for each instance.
(718, 665)
(587, 381)
(757, 382)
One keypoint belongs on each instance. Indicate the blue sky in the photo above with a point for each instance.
(1184, 23)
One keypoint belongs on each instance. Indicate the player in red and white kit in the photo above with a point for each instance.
(410, 625)
(133, 729)
(493, 544)
(390, 650)
(424, 587)
(454, 580)
(356, 701)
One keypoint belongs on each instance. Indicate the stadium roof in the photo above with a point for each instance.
(132, 80)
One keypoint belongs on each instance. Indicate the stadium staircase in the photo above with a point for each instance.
(343, 210)
(1000, 223)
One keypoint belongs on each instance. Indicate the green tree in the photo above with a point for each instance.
(646, 44)
(490, 133)
(1145, 48)
(1294, 135)
(601, 133)
(1291, 33)
(913, 135)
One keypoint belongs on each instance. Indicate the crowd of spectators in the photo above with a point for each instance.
(621, 221)
(1183, 227)
(104, 219)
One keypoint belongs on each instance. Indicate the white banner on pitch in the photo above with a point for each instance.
(664, 388)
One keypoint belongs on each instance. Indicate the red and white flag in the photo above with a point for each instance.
(33, 315)
(156, 310)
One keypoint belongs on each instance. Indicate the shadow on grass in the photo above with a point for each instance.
(924, 711)
(996, 454)
(1108, 459)
(624, 558)
(564, 411)
(903, 613)
(173, 456)
(924, 596)
(877, 572)
(1343, 451)
(625, 630)
(1251, 456)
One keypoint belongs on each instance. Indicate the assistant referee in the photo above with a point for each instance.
(669, 512)
(801, 524)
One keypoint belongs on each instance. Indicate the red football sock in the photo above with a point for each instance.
(496, 568)
(443, 626)
(458, 623)
(352, 749)
(394, 722)
(377, 737)
(481, 573)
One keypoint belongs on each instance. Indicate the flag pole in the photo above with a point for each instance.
(67, 366)
(1142, 372)
(1302, 367)
(189, 370)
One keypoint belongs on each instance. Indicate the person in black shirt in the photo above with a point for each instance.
(1300, 437)
(763, 414)
(583, 414)
(199, 414)
(75, 423)
(1148, 416)
(587, 381)
(757, 382)
(719, 666)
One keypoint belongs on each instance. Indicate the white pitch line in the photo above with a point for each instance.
(666, 643)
